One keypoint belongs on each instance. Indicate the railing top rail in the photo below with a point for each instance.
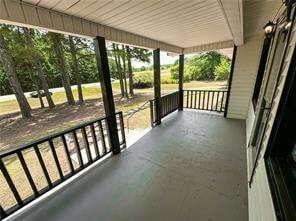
(170, 94)
(205, 90)
(176, 92)
(14, 150)
(166, 95)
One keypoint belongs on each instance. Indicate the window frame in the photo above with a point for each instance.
(264, 106)
(280, 166)
(261, 69)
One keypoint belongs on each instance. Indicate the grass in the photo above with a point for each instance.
(13, 165)
(94, 92)
(45, 122)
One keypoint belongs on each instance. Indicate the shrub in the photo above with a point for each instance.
(199, 67)
(222, 70)
(175, 74)
(143, 79)
(168, 80)
(202, 66)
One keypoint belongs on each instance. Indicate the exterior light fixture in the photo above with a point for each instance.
(269, 28)
(285, 28)
(288, 25)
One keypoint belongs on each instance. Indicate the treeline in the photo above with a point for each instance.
(34, 60)
(22, 56)
(204, 66)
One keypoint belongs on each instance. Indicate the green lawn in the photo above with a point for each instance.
(45, 121)
(16, 131)
(93, 92)
(58, 98)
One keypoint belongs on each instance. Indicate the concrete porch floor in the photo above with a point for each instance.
(192, 167)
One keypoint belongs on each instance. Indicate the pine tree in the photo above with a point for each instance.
(130, 71)
(60, 60)
(75, 67)
(9, 68)
(29, 36)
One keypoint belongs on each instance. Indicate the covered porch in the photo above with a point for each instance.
(192, 166)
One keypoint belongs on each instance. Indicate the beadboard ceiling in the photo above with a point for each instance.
(172, 25)
(183, 23)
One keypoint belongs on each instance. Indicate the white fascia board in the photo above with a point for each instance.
(209, 47)
(233, 14)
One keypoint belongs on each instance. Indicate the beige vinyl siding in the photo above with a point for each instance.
(249, 127)
(249, 123)
(255, 15)
(244, 75)
(260, 202)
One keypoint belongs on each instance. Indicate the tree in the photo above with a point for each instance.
(35, 83)
(119, 70)
(75, 67)
(37, 62)
(123, 62)
(123, 56)
(202, 67)
(141, 54)
(26, 69)
(130, 71)
(60, 61)
(222, 70)
(8, 66)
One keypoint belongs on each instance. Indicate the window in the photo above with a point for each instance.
(294, 154)
(261, 69)
(268, 85)
(281, 153)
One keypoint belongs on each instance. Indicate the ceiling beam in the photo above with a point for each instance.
(209, 47)
(24, 14)
(233, 14)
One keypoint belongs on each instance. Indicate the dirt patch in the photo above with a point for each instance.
(46, 121)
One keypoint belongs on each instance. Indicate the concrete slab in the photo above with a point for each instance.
(192, 167)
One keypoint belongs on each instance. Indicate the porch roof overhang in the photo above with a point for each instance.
(173, 26)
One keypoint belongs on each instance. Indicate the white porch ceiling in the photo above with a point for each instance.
(182, 23)
(172, 25)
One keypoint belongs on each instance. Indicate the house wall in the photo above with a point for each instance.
(244, 76)
(259, 196)
(261, 206)
(249, 123)
(240, 107)
(260, 202)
